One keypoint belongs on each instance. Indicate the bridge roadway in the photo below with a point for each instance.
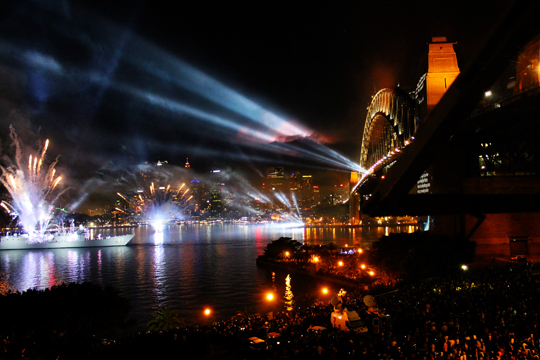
(454, 119)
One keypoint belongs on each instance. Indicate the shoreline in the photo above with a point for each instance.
(265, 263)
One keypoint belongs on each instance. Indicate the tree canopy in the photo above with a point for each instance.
(278, 247)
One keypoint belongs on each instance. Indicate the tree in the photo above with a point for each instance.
(164, 319)
(64, 321)
(332, 247)
(279, 246)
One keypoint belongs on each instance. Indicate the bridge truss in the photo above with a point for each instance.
(390, 125)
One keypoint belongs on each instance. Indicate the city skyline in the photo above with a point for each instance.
(294, 187)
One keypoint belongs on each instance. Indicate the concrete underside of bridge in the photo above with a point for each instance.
(505, 234)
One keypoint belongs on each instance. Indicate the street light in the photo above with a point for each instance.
(325, 291)
(269, 296)
(207, 312)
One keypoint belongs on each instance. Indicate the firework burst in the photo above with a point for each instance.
(32, 188)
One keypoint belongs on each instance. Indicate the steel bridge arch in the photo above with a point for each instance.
(390, 124)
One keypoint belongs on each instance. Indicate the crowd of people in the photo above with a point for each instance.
(481, 313)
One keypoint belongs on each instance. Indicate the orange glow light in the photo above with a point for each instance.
(340, 263)
(363, 266)
(207, 312)
(325, 291)
(269, 296)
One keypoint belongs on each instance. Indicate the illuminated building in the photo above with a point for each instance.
(216, 203)
(308, 199)
(215, 200)
(316, 195)
(339, 194)
(276, 181)
(196, 204)
(295, 184)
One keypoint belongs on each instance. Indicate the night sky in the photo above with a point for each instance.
(104, 80)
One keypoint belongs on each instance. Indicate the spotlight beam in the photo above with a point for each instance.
(168, 70)
(153, 59)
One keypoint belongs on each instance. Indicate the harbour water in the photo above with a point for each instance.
(187, 267)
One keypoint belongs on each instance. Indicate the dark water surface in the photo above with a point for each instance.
(187, 267)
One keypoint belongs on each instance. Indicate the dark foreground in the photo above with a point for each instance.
(489, 312)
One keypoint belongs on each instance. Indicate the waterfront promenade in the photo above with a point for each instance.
(482, 313)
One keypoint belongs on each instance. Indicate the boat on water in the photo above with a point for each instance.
(77, 239)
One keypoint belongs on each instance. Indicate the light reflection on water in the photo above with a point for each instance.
(184, 267)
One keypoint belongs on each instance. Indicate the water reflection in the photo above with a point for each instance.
(37, 270)
(158, 238)
(289, 296)
(182, 267)
(158, 273)
(99, 264)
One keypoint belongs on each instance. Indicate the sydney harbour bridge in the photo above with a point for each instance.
(461, 150)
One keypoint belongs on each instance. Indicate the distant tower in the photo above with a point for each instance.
(354, 200)
(187, 163)
(442, 70)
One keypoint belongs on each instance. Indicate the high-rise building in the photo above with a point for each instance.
(308, 199)
(339, 193)
(196, 203)
(276, 180)
(216, 203)
(216, 194)
(295, 185)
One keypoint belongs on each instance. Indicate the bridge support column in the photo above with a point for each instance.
(354, 200)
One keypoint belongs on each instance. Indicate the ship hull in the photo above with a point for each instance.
(62, 242)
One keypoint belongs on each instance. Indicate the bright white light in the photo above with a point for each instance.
(159, 225)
